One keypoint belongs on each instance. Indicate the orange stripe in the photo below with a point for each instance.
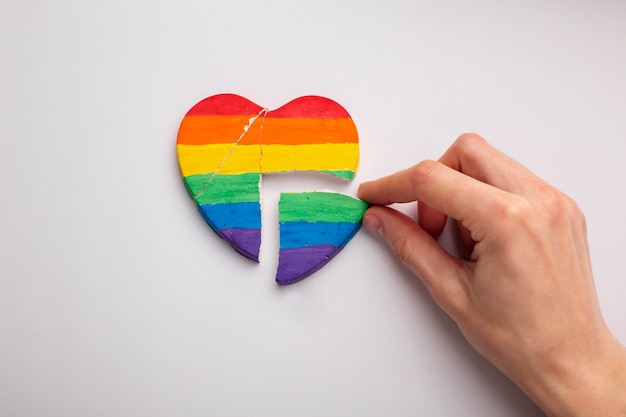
(205, 130)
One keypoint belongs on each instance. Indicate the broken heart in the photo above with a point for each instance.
(226, 143)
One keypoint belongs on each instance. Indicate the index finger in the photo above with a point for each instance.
(442, 188)
(474, 156)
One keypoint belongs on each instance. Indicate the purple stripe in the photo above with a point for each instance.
(245, 241)
(298, 263)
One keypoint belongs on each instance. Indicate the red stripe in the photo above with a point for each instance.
(311, 107)
(225, 105)
(307, 107)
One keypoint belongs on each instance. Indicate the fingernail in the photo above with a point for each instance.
(360, 190)
(373, 223)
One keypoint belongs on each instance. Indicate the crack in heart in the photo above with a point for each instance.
(223, 178)
(246, 128)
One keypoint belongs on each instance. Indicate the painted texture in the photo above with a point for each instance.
(314, 227)
(226, 143)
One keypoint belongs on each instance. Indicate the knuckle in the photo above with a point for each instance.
(514, 209)
(560, 208)
(424, 171)
(468, 141)
(574, 213)
(574, 209)
(548, 210)
(468, 147)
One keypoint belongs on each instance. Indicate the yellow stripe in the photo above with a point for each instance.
(319, 157)
(202, 159)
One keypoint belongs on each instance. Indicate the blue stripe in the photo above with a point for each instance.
(232, 215)
(300, 234)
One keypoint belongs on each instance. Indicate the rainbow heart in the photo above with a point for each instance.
(225, 144)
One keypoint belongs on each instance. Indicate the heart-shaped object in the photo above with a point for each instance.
(225, 144)
(314, 227)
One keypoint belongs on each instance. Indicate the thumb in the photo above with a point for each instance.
(443, 274)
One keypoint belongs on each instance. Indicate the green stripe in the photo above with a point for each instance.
(320, 207)
(241, 188)
(349, 175)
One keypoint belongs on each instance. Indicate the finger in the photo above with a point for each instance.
(430, 220)
(444, 190)
(472, 155)
(442, 273)
(466, 241)
(433, 222)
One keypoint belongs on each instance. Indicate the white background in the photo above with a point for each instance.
(116, 299)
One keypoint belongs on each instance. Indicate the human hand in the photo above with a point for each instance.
(523, 293)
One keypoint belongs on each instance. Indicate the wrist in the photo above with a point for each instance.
(589, 380)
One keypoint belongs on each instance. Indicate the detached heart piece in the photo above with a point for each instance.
(226, 143)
